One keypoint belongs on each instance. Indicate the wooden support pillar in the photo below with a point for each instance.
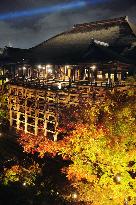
(10, 106)
(95, 74)
(55, 136)
(123, 75)
(69, 72)
(73, 74)
(63, 72)
(103, 75)
(36, 113)
(78, 74)
(109, 74)
(18, 113)
(56, 117)
(45, 114)
(89, 72)
(25, 110)
(45, 124)
(115, 75)
(11, 120)
(82, 73)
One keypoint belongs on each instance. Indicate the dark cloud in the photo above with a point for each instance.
(29, 31)
(120, 5)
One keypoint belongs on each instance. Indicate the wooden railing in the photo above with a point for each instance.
(54, 84)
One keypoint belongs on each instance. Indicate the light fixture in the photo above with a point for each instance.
(24, 68)
(74, 195)
(59, 85)
(49, 70)
(48, 66)
(39, 66)
(43, 67)
(24, 184)
(93, 67)
(125, 201)
(117, 178)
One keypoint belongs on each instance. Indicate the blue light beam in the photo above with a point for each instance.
(49, 9)
(43, 10)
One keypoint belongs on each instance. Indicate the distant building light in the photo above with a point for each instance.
(59, 85)
(24, 68)
(49, 70)
(48, 66)
(101, 43)
(39, 66)
(99, 76)
(93, 67)
(67, 66)
(44, 67)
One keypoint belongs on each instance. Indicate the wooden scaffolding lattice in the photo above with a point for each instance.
(35, 111)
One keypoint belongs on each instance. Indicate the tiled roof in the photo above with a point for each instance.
(71, 45)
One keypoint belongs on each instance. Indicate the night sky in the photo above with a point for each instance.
(26, 23)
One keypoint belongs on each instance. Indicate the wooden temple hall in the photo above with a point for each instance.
(82, 62)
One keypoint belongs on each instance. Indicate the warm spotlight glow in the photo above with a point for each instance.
(93, 67)
(48, 66)
(59, 85)
(39, 66)
(117, 178)
(49, 70)
(74, 195)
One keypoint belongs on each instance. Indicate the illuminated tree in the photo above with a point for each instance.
(101, 146)
(103, 152)
(3, 106)
(20, 174)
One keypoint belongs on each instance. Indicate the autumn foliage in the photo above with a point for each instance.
(102, 148)
(21, 174)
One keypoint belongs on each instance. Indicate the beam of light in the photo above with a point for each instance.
(77, 4)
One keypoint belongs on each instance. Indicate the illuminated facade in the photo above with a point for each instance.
(36, 110)
(91, 56)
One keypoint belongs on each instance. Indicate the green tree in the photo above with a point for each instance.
(17, 173)
(3, 104)
(103, 152)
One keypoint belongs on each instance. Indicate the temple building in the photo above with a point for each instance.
(84, 62)
(97, 51)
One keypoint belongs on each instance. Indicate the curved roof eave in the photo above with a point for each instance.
(132, 26)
